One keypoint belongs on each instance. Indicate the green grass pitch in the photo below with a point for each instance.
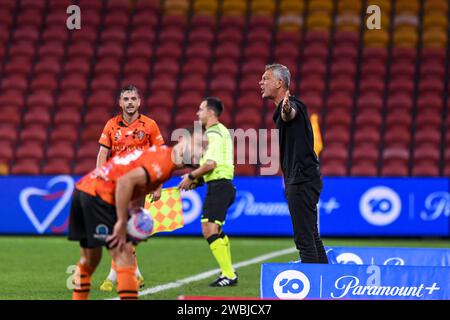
(33, 268)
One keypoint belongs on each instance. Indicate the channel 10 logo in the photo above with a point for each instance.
(291, 284)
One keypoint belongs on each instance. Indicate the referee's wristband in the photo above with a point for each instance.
(191, 177)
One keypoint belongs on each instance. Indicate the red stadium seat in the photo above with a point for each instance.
(342, 84)
(397, 136)
(53, 49)
(15, 82)
(30, 149)
(230, 36)
(25, 167)
(369, 134)
(67, 116)
(34, 132)
(250, 101)
(145, 19)
(427, 169)
(224, 67)
(141, 50)
(394, 169)
(163, 83)
(87, 34)
(23, 49)
(400, 101)
(189, 101)
(8, 133)
(96, 116)
(64, 132)
(80, 49)
(56, 166)
(345, 52)
(195, 83)
(108, 67)
(365, 153)
(84, 166)
(44, 82)
(50, 65)
(161, 100)
(37, 116)
(195, 66)
(223, 83)
(374, 54)
(201, 35)
(167, 66)
(428, 135)
(228, 50)
(343, 68)
(198, 50)
(113, 34)
(401, 85)
(337, 134)
(364, 169)
(333, 168)
(6, 152)
(61, 150)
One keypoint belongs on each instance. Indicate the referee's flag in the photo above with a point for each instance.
(318, 144)
(167, 212)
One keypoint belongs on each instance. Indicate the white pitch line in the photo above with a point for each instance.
(207, 274)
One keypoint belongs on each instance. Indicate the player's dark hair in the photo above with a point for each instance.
(215, 104)
(129, 88)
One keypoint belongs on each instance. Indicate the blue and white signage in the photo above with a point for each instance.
(335, 282)
(389, 256)
(391, 207)
(347, 207)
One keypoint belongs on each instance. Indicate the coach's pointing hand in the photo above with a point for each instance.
(286, 106)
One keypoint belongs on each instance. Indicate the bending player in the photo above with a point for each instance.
(100, 204)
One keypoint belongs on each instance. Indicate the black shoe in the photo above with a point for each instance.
(224, 282)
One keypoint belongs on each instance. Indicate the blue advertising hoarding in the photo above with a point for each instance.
(389, 256)
(350, 281)
(347, 207)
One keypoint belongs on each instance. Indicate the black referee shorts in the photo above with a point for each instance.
(91, 220)
(219, 197)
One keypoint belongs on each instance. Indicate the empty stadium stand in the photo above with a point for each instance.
(382, 95)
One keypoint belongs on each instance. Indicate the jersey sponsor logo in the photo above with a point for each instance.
(65, 196)
(118, 135)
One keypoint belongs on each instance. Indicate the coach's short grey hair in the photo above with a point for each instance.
(281, 72)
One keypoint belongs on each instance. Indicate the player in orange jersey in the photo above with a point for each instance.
(101, 202)
(123, 133)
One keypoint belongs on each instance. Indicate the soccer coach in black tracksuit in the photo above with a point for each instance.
(299, 162)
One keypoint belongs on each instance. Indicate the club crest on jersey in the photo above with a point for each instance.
(141, 135)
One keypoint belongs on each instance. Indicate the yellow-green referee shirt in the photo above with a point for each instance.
(220, 150)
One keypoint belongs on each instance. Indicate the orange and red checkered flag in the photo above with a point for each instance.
(167, 212)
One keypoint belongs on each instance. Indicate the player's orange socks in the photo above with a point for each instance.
(127, 284)
(113, 264)
(82, 282)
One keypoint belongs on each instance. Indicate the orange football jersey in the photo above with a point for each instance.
(156, 161)
(121, 137)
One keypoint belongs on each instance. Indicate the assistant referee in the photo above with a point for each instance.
(217, 170)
